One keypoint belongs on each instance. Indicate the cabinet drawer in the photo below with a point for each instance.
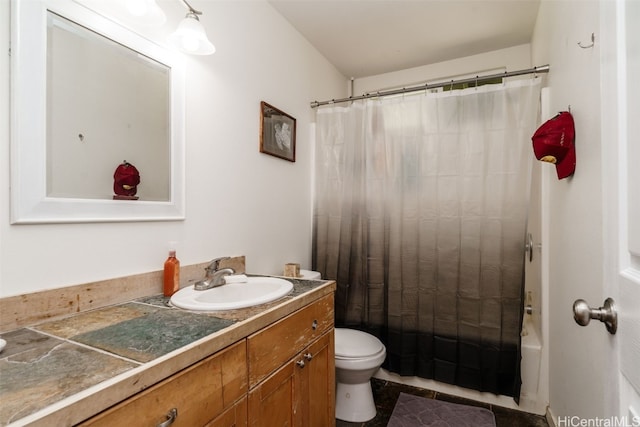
(200, 393)
(275, 345)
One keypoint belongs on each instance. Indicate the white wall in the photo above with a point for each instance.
(239, 201)
(576, 365)
(497, 61)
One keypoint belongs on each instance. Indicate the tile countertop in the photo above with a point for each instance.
(62, 372)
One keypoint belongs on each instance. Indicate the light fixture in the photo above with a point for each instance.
(146, 12)
(190, 36)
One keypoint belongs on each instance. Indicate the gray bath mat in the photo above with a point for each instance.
(416, 411)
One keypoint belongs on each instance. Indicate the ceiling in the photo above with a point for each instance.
(369, 37)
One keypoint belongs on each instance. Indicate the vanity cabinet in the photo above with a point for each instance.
(282, 375)
(301, 393)
(205, 394)
(291, 369)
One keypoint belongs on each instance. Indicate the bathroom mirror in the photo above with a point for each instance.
(87, 95)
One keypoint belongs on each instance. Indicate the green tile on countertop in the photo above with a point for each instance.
(25, 345)
(93, 320)
(38, 370)
(152, 335)
(158, 300)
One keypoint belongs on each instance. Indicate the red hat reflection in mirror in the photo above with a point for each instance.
(126, 179)
(554, 142)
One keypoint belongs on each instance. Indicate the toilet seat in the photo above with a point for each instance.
(354, 344)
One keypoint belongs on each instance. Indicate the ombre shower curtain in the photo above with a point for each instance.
(420, 215)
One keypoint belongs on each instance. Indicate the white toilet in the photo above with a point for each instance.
(358, 356)
(309, 274)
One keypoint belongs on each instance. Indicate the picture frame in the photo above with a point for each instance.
(277, 132)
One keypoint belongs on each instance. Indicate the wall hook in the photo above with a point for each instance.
(593, 42)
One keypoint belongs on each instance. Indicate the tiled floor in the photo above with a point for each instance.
(385, 394)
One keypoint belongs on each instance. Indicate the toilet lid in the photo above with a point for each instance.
(351, 343)
(308, 274)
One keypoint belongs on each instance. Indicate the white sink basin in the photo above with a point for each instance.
(256, 290)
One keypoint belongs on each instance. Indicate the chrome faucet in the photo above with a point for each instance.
(214, 275)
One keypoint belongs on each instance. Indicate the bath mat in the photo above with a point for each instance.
(416, 411)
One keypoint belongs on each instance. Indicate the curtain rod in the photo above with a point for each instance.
(534, 70)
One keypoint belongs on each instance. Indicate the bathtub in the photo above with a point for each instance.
(531, 357)
(533, 392)
(532, 367)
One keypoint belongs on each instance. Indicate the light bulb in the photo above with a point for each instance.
(191, 37)
(190, 42)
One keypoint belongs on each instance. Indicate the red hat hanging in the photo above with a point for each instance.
(125, 181)
(554, 142)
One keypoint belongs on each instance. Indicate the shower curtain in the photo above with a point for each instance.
(420, 216)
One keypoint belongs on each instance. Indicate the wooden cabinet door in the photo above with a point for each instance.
(318, 383)
(301, 393)
(236, 416)
(272, 402)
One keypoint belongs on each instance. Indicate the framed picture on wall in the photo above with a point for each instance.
(277, 133)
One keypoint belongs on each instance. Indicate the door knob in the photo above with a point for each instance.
(607, 314)
(528, 247)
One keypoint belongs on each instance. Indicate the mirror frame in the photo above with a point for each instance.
(29, 201)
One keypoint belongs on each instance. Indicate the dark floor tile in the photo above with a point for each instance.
(509, 418)
(340, 423)
(386, 393)
(461, 401)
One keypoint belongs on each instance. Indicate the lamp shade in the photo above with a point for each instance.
(190, 37)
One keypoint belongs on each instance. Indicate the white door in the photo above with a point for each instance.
(620, 88)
